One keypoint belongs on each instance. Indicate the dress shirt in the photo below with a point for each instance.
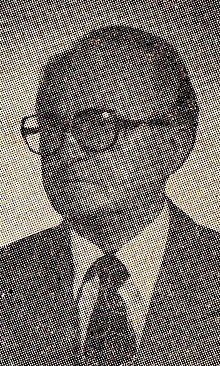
(142, 257)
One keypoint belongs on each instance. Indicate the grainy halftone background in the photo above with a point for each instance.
(35, 29)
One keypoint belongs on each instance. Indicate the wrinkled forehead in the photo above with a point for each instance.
(132, 82)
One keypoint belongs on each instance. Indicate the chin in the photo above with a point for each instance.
(78, 207)
(84, 200)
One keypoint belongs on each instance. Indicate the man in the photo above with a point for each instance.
(127, 278)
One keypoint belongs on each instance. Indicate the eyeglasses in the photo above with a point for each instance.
(95, 130)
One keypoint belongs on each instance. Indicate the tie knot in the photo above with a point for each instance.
(111, 271)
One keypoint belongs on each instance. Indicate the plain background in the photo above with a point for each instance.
(35, 29)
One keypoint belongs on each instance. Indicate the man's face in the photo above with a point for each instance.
(82, 184)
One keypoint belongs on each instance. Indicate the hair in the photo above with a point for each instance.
(119, 35)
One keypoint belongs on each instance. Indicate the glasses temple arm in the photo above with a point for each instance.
(30, 130)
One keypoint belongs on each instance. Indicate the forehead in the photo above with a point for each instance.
(129, 81)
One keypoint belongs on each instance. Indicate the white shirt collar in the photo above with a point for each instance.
(142, 256)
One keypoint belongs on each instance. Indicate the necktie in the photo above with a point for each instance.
(110, 340)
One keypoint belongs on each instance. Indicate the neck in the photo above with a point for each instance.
(110, 230)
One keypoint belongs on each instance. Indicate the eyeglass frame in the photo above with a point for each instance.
(119, 122)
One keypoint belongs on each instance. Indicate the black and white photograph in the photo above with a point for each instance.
(110, 230)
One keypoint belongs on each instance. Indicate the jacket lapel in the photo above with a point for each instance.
(168, 313)
(60, 312)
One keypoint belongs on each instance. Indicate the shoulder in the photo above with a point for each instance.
(194, 253)
(184, 228)
(23, 257)
(29, 265)
(24, 248)
(196, 246)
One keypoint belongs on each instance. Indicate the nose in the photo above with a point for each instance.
(72, 149)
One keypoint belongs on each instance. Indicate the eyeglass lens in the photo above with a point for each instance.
(92, 130)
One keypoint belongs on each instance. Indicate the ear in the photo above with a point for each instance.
(182, 141)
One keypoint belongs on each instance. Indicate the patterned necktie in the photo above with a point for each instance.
(110, 340)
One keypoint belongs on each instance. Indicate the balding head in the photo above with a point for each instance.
(120, 68)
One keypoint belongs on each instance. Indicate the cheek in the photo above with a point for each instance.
(50, 176)
(143, 158)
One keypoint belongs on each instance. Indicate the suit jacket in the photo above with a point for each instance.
(39, 320)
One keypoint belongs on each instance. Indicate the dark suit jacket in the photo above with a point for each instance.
(39, 322)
